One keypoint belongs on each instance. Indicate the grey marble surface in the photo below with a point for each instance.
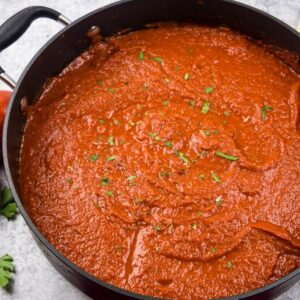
(35, 278)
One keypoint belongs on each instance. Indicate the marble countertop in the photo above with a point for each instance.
(35, 278)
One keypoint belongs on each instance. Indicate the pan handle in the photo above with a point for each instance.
(15, 26)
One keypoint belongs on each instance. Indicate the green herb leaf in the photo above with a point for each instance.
(111, 141)
(213, 250)
(195, 226)
(169, 144)
(208, 90)
(141, 56)
(192, 103)
(109, 193)
(68, 180)
(227, 113)
(102, 121)
(6, 269)
(227, 156)
(207, 132)
(183, 157)
(94, 157)
(205, 107)
(158, 59)
(111, 90)
(177, 68)
(219, 200)
(100, 82)
(157, 228)
(215, 177)
(229, 265)
(164, 174)
(166, 103)
(264, 110)
(139, 201)
(186, 76)
(216, 131)
(110, 158)
(104, 181)
(154, 136)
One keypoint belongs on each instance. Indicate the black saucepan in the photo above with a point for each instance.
(69, 43)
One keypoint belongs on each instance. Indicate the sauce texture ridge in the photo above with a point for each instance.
(167, 162)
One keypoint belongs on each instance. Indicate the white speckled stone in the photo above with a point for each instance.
(35, 278)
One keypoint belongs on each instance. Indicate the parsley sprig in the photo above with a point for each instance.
(8, 207)
(6, 269)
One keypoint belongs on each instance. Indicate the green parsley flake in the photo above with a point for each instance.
(154, 136)
(202, 176)
(102, 121)
(68, 180)
(169, 144)
(177, 68)
(8, 207)
(192, 103)
(166, 103)
(141, 56)
(157, 228)
(111, 90)
(111, 141)
(215, 177)
(139, 201)
(227, 113)
(6, 268)
(186, 76)
(109, 193)
(213, 250)
(158, 59)
(182, 157)
(229, 265)
(208, 90)
(94, 157)
(195, 226)
(164, 174)
(207, 132)
(205, 107)
(100, 82)
(110, 158)
(264, 110)
(203, 153)
(219, 200)
(104, 181)
(227, 156)
(216, 131)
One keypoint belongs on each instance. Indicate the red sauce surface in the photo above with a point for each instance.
(123, 168)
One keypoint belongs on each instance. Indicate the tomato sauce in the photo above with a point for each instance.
(166, 161)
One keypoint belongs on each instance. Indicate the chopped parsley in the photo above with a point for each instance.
(94, 157)
(164, 174)
(186, 76)
(227, 113)
(202, 176)
(102, 121)
(109, 193)
(207, 132)
(208, 90)
(6, 268)
(169, 144)
(111, 90)
(229, 265)
(100, 82)
(8, 207)
(216, 131)
(139, 201)
(104, 181)
(192, 103)
(157, 228)
(177, 68)
(131, 179)
(227, 156)
(158, 59)
(166, 103)
(213, 250)
(195, 226)
(264, 110)
(141, 56)
(205, 107)
(219, 200)
(110, 158)
(111, 141)
(68, 180)
(154, 136)
(215, 177)
(182, 157)
(203, 153)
